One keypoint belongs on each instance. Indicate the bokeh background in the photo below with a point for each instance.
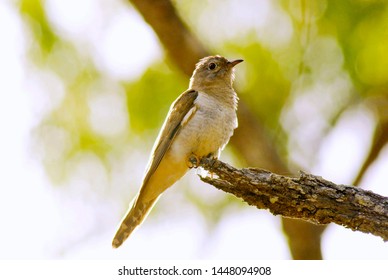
(86, 84)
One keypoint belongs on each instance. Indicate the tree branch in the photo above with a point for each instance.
(308, 197)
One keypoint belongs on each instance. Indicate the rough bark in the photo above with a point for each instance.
(306, 197)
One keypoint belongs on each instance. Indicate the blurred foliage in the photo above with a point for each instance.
(34, 12)
(328, 41)
(361, 28)
(265, 82)
(149, 98)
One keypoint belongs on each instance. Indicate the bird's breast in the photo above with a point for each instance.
(209, 130)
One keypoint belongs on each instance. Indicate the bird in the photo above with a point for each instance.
(199, 124)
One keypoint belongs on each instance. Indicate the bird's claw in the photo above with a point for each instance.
(211, 156)
(193, 161)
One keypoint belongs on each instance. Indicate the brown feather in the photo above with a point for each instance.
(148, 193)
(132, 219)
(170, 129)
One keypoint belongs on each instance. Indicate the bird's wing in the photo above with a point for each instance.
(180, 113)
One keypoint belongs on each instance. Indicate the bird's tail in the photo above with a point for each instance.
(133, 218)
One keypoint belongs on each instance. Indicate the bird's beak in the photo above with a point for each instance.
(235, 62)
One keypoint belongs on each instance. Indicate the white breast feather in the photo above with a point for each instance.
(206, 128)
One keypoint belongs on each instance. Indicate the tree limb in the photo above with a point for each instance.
(307, 197)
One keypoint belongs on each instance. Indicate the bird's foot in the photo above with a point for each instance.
(193, 161)
(213, 157)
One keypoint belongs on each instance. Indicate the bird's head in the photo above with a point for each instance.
(213, 71)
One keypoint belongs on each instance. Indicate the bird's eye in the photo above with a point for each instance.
(212, 66)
